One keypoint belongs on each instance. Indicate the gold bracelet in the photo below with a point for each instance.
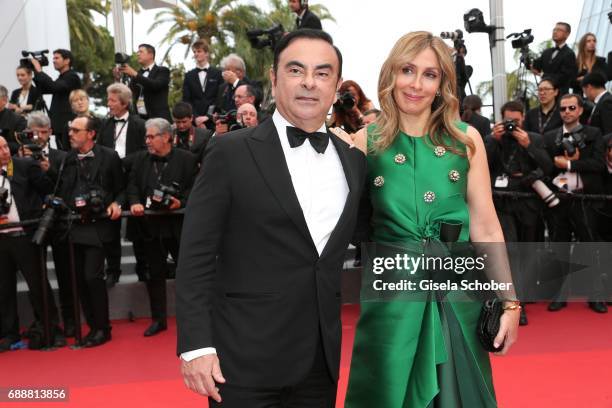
(513, 307)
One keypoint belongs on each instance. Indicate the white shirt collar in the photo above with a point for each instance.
(596, 101)
(124, 116)
(150, 67)
(206, 66)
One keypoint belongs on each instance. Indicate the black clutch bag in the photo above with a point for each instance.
(488, 324)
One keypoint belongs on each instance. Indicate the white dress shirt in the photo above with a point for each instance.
(321, 189)
(13, 214)
(120, 135)
(203, 74)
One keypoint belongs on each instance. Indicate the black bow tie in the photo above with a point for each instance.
(201, 69)
(89, 155)
(146, 70)
(318, 140)
(119, 120)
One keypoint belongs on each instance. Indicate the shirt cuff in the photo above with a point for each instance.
(569, 165)
(235, 84)
(192, 355)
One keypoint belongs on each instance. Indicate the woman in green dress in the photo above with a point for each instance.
(424, 167)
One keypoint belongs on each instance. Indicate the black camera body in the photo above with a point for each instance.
(161, 199)
(90, 204)
(54, 206)
(121, 58)
(346, 101)
(27, 139)
(5, 206)
(509, 125)
(230, 119)
(572, 141)
(260, 39)
(39, 56)
(521, 42)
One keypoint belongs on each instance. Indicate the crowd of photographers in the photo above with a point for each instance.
(77, 173)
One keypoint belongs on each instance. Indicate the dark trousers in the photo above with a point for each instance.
(61, 259)
(156, 250)
(20, 254)
(317, 390)
(112, 250)
(89, 266)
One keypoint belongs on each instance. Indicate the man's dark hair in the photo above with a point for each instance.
(550, 80)
(93, 123)
(201, 44)
(182, 110)
(66, 54)
(595, 79)
(568, 27)
(512, 106)
(579, 99)
(250, 90)
(148, 47)
(310, 34)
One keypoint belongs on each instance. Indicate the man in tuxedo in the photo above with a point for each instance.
(305, 18)
(594, 88)
(558, 62)
(10, 122)
(234, 75)
(25, 184)
(185, 135)
(161, 166)
(60, 110)
(92, 185)
(201, 84)
(264, 238)
(149, 84)
(577, 170)
(123, 132)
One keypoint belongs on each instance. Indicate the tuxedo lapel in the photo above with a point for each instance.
(268, 153)
(95, 164)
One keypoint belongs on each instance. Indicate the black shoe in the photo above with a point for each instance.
(523, 318)
(144, 275)
(59, 340)
(599, 307)
(97, 338)
(556, 306)
(69, 329)
(6, 343)
(155, 328)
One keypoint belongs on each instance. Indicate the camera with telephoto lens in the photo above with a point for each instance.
(28, 140)
(571, 141)
(162, 196)
(5, 206)
(266, 38)
(37, 55)
(53, 207)
(534, 179)
(509, 125)
(346, 101)
(90, 204)
(230, 119)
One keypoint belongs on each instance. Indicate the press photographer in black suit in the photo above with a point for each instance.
(545, 117)
(60, 110)
(305, 18)
(149, 84)
(92, 185)
(578, 154)
(123, 132)
(201, 84)
(558, 62)
(10, 122)
(185, 135)
(516, 160)
(594, 88)
(161, 179)
(24, 185)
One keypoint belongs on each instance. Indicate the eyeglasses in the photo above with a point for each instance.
(544, 89)
(571, 108)
(150, 137)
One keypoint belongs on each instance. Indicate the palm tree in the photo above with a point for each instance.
(80, 21)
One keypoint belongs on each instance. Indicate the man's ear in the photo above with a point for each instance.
(273, 80)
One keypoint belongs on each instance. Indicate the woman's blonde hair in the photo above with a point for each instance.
(584, 59)
(444, 110)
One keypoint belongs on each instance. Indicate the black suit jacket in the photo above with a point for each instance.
(60, 110)
(34, 97)
(591, 164)
(534, 119)
(154, 89)
(106, 174)
(225, 98)
(29, 186)
(601, 115)
(599, 66)
(56, 157)
(562, 68)
(182, 167)
(481, 124)
(135, 137)
(10, 122)
(309, 20)
(201, 138)
(200, 99)
(250, 281)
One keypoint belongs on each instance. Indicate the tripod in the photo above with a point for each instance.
(520, 91)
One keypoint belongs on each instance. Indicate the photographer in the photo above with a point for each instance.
(247, 115)
(558, 62)
(516, 160)
(161, 179)
(92, 186)
(578, 154)
(545, 117)
(594, 88)
(149, 84)
(349, 108)
(185, 135)
(60, 111)
(10, 122)
(22, 186)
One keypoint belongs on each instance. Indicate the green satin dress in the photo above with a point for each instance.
(418, 354)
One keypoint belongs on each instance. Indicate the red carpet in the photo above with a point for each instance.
(562, 359)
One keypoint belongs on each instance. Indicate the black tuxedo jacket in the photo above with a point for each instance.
(60, 110)
(225, 97)
(200, 99)
(250, 281)
(562, 68)
(309, 20)
(29, 186)
(106, 173)
(591, 164)
(135, 137)
(182, 168)
(154, 90)
(33, 97)
(601, 115)
(10, 122)
(56, 157)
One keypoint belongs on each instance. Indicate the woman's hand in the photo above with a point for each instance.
(508, 330)
(357, 140)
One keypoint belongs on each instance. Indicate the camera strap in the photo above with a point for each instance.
(549, 117)
(118, 133)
